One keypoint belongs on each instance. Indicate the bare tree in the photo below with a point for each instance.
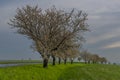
(86, 56)
(73, 53)
(49, 29)
(95, 58)
(59, 56)
(103, 60)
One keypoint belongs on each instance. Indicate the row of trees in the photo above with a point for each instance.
(69, 55)
(91, 58)
(55, 33)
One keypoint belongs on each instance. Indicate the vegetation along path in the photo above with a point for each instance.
(61, 72)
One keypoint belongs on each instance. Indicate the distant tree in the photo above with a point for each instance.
(114, 63)
(29, 59)
(86, 56)
(49, 29)
(95, 58)
(73, 53)
(65, 56)
(59, 56)
(109, 62)
(103, 60)
(68, 50)
(79, 58)
(89, 59)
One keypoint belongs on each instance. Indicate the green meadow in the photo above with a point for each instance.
(61, 72)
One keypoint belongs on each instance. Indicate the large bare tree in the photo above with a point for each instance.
(49, 29)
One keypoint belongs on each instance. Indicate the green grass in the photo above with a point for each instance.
(61, 72)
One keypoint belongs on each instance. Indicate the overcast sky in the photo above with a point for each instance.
(103, 19)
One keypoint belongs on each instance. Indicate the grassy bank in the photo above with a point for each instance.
(61, 72)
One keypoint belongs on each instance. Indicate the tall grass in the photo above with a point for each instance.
(61, 72)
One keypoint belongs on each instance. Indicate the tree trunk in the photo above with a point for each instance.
(71, 61)
(101, 62)
(59, 60)
(53, 60)
(85, 62)
(89, 62)
(65, 61)
(93, 62)
(45, 63)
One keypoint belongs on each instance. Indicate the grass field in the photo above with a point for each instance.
(61, 72)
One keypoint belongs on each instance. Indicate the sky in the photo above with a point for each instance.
(103, 20)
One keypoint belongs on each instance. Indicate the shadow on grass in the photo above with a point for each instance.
(75, 73)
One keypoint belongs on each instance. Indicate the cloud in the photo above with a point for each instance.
(108, 34)
(94, 17)
(112, 45)
(100, 38)
(92, 6)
